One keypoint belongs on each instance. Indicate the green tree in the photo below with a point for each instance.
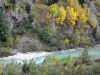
(13, 2)
(50, 2)
(28, 8)
(85, 57)
(4, 27)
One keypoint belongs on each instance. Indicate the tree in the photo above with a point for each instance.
(61, 15)
(50, 2)
(72, 3)
(81, 1)
(53, 10)
(85, 57)
(28, 8)
(71, 15)
(82, 17)
(13, 2)
(4, 27)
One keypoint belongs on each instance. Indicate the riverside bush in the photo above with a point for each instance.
(5, 51)
(12, 69)
(66, 66)
(85, 57)
(1, 70)
(35, 45)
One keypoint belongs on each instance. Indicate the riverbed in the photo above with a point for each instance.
(39, 57)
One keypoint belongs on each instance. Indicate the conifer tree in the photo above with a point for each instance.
(4, 27)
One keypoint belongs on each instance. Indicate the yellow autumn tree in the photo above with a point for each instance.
(53, 11)
(71, 15)
(61, 15)
(81, 13)
(77, 8)
(72, 3)
(82, 17)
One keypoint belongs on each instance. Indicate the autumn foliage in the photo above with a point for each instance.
(71, 14)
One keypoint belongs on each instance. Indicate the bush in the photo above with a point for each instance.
(13, 2)
(81, 2)
(28, 8)
(50, 2)
(53, 66)
(66, 41)
(33, 1)
(98, 36)
(34, 45)
(82, 40)
(96, 69)
(76, 38)
(13, 69)
(1, 70)
(45, 35)
(85, 57)
(92, 22)
(98, 3)
(5, 51)
(31, 18)
(10, 41)
(17, 40)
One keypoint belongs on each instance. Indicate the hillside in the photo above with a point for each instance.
(48, 25)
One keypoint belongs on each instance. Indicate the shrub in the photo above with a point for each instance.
(92, 22)
(98, 36)
(85, 57)
(76, 38)
(31, 18)
(33, 1)
(28, 8)
(45, 35)
(1, 70)
(35, 45)
(98, 3)
(13, 2)
(33, 69)
(5, 51)
(10, 41)
(50, 2)
(81, 1)
(66, 41)
(96, 69)
(84, 40)
(17, 40)
(13, 69)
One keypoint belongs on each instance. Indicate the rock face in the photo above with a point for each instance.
(94, 11)
(1, 3)
(14, 16)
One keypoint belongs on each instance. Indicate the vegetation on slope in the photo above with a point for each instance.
(55, 24)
